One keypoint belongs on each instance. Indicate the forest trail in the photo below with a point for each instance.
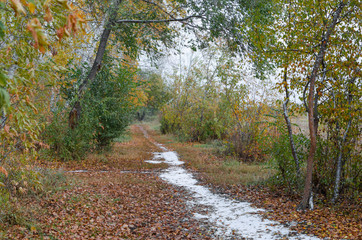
(230, 218)
(123, 194)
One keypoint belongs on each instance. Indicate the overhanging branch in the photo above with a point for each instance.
(158, 20)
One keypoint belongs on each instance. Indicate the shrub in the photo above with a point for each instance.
(283, 161)
(107, 109)
(280, 154)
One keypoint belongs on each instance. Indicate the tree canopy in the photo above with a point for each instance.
(70, 83)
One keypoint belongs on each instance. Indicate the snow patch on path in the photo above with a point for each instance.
(166, 157)
(233, 219)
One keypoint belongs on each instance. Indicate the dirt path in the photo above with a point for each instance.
(113, 196)
(232, 219)
(141, 190)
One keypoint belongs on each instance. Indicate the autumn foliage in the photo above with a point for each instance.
(71, 84)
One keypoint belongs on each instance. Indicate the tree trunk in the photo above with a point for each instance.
(3, 119)
(75, 112)
(340, 154)
(311, 121)
(289, 125)
(339, 165)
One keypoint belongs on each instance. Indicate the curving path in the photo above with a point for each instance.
(232, 219)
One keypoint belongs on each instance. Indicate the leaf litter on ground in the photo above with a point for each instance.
(326, 221)
(114, 199)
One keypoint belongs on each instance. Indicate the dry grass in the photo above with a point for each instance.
(127, 155)
(300, 124)
(153, 123)
(212, 168)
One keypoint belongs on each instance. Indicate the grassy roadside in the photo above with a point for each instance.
(119, 197)
(213, 167)
(246, 182)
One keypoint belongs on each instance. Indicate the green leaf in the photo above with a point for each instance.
(4, 98)
(2, 29)
(3, 78)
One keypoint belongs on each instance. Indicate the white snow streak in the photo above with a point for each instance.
(233, 219)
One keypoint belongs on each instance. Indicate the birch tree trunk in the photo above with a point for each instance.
(289, 125)
(340, 154)
(311, 98)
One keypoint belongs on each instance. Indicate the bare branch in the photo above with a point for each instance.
(158, 20)
(161, 8)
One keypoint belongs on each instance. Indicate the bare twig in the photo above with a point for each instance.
(158, 20)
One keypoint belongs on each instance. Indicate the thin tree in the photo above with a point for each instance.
(311, 105)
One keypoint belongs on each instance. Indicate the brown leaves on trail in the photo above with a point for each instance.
(344, 222)
(138, 205)
(116, 206)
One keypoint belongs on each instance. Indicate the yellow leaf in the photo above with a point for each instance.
(64, 3)
(22, 190)
(33, 229)
(42, 49)
(42, 37)
(48, 15)
(46, 3)
(37, 31)
(6, 128)
(66, 32)
(23, 137)
(31, 7)
(3, 170)
(2, 184)
(17, 6)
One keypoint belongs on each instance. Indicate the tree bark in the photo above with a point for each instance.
(339, 165)
(311, 121)
(3, 119)
(289, 125)
(75, 112)
(340, 154)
